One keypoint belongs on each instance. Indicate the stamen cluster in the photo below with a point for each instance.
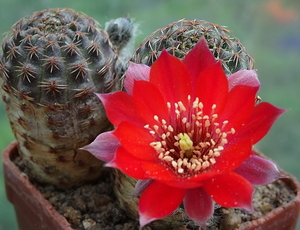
(191, 143)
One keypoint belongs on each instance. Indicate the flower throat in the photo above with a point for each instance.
(192, 141)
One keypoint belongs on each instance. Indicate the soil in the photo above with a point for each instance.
(94, 206)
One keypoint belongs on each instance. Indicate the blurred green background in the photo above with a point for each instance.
(269, 29)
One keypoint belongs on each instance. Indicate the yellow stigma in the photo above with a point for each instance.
(186, 144)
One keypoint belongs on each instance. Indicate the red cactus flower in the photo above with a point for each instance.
(186, 131)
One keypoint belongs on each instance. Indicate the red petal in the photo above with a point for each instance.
(238, 107)
(159, 171)
(231, 157)
(159, 201)
(260, 122)
(184, 183)
(104, 146)
(230, 190)
(141, 169)
(149, 102)
(166, 175)
(258, 170)
(244, 77)
(136, 141)
(135, 72)
(171, 77)
(198, 59)
(119, 107)
(128, 164)
(200, 178)
(212, 88)
(198, 205)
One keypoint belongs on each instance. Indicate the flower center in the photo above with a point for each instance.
(186, 144)
(191, 141)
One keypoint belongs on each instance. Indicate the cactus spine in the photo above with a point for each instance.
(52, 64)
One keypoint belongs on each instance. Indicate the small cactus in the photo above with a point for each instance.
(179, 37)
(121, 33)
(52, 64)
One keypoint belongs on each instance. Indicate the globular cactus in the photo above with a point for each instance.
(179, 37)
(52, 64)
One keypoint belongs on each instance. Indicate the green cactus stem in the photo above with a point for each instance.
(52, 64)
(179, 37)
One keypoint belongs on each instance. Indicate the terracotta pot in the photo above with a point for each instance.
(284, 217)
(35, 212)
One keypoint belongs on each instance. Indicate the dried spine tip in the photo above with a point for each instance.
(121, 32)
(53, 62)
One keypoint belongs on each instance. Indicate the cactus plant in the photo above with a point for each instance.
(53, 61)
(179, 37)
